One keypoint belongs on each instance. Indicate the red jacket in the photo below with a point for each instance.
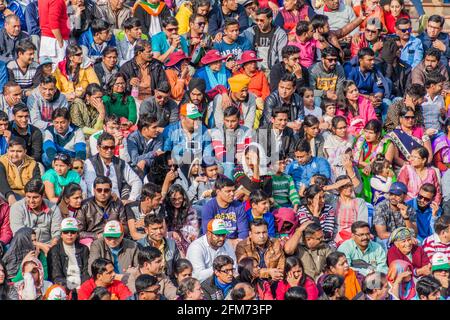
(5, 230)
(309, 286)
(53, 15)
(419, 257)
(117, 288)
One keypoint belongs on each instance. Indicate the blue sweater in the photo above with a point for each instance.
(424, 219)
(87, 40)
(268, 217)
(216, 19)
(302, 174)
(234, 217)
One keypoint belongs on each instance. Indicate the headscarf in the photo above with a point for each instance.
(400, 234)
(352, 286)
(263, 160)
(283, 215)
(407, 289)
(21, 245)
(40, 285)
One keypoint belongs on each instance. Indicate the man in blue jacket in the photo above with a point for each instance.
(434, 37)
(96, 39)
(226, 9)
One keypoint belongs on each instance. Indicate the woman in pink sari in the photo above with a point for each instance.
(416, 173)
(441, 149)
(356, 109)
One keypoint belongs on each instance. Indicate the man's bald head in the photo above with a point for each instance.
(243, 291)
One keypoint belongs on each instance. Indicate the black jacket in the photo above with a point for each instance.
(211, 291)
(295, 106)
(279, 70)
(101, 75)
(8, 50)
(33, 140)
(132, 70)
(265, 137)
(167, 114)
(58, 261)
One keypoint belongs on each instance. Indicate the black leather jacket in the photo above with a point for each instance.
(295, 106)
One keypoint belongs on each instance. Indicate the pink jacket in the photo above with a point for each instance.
(5, 230)
(357, 123)
(309, 286)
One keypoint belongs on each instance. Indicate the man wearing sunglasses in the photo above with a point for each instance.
(370, 38)
(197, 39)
(68, 260)
(427, 211)
(412, 49)
(168, 41)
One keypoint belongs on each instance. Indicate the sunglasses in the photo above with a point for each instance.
(103, 190)
(108, 147)
(421, 197)
(69, 232)
(405, 30)
(172, 29)
(409, 117)
(371, 31)
(201, 24)
(78, 54)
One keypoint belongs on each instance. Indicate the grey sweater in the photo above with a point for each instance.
(321, 80)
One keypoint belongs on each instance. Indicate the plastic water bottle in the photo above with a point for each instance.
(135, 91)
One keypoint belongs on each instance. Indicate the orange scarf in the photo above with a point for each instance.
(352, 287)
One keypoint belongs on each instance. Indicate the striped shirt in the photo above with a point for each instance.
(284, 191)
(24, 80)
(433, 244)
(326, 219)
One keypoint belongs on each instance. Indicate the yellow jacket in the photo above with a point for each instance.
(18, 176)
(87, 76)
(182, 16)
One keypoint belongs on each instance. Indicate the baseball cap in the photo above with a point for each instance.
(217, 226)
(45, 60)
(113, 229)
(439, 262)
(373, 21)
(398, 188)
(69, 224)
(190, 110)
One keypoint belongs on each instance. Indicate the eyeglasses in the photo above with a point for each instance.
(120, 84)
(229, 271)
(78, 54)
(409, 117)
(103, 190)
(405, 30)
(108, 147)
(69, 232)
(421, 197)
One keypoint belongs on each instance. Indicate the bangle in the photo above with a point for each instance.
(353, 176)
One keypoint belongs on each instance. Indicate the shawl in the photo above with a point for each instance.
(407, 289)
(442, 144)
(216, 78)
(21, 285)
(352, 286)
(20, 246)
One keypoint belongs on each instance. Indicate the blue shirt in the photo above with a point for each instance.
(424, 219)
(302, 174)
(367, 83)
(268, 217)
(236, 48)
(160, 43)
(412, 52)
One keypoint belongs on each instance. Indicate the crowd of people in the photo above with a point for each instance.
(223, 150)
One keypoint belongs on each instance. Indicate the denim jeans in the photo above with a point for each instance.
(419, 7)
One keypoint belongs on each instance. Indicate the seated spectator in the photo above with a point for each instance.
(62, 137)
(44, 69)
(151, 15)
(168, 41)
(221, 283)
(155, 228)
(440, 270)
(43, 100)
(5, 229)
(186, 10)
(294, 276)
(427, 211)
(68, 259)
(305, 166)
(400, 277)
(113, 246)
(5, 134)
(259, 210)
(56, 179)
(48, 221)
(147, 288)
(396, 11)
(113, 12)
(16, 170)
(73, 75)
(197, 37)
(96, 39)
(161, 106)
(103, 275)
(217, 14)
(20, 127)
(307, 95)
(232, 43)
(439, 241)
(428, 288)
(284, 192)
(12, 7)
(33, 286)
(150, 262)
(267, 252)
(70, 200)
(333, 288)
(403, 248)
(80, 16)
(291, 14)
(412, 49)
(393, 212)
(126, 184)
(243, 291)
(337, 264)
(433, 35)
(149, 203)
(203, 251)
(89, 112)
(259, 84)
(416, 173)
(190, 289)
(144, 144)
(182, 270)
(289, 65)
(10, 35)
(374, 287)
(177, 71)
(312, 125)
(12, 96)
(370, 38)
(107, 67)
(316, 210)
(433, 108)
(240, 97)
(23, 69)
(363, 255)
(143, 72)
(99, 209)
(126, 39)
(339, 14)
